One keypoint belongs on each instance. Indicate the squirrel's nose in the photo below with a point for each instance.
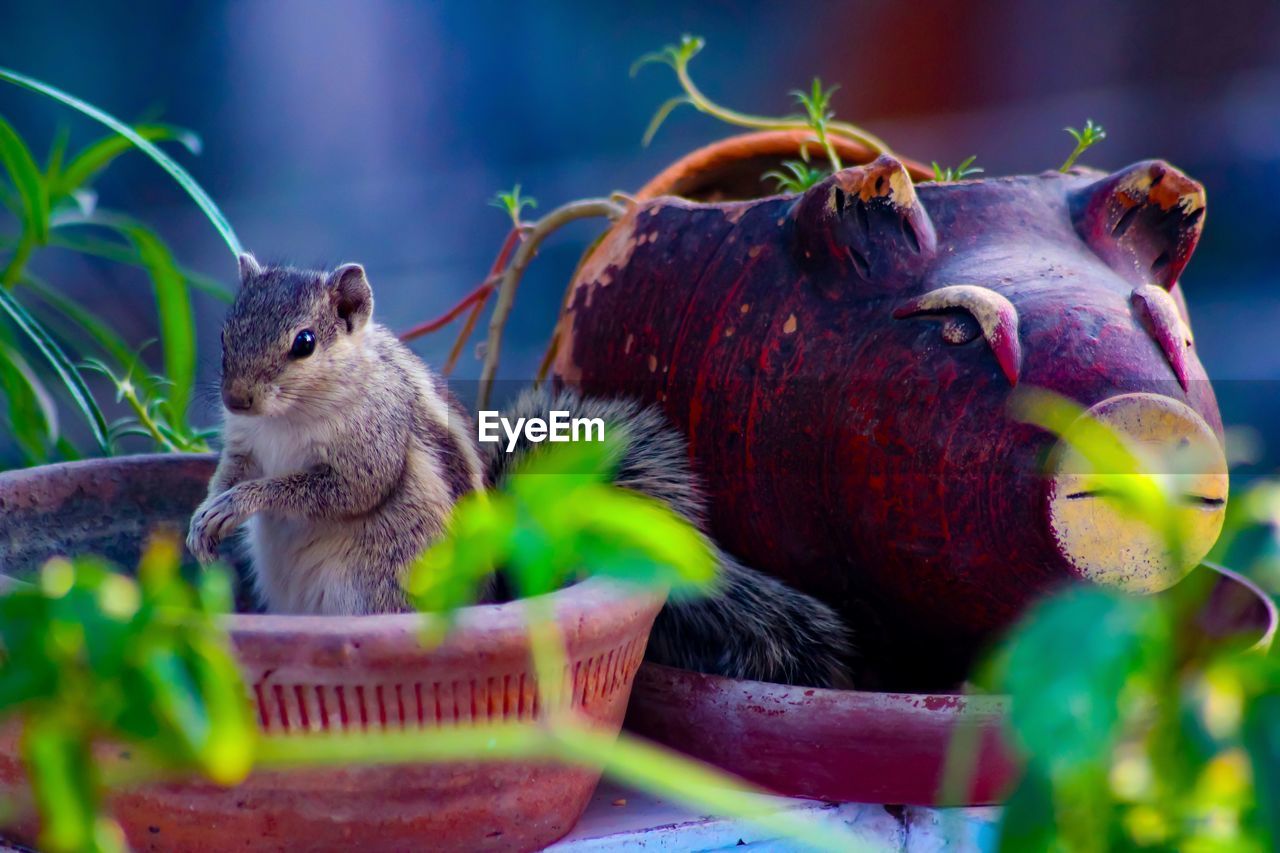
(237, 401)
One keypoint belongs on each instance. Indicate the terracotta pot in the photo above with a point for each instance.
(731, 168)
(851, 746)
(341, 674)
(843, 361)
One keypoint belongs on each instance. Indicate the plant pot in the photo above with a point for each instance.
(844, 363)
(730, 169)
(853, 746)
(313, 674)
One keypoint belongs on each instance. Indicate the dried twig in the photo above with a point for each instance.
(477, 297)
(510, 280)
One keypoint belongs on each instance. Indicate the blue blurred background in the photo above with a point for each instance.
(378, 131)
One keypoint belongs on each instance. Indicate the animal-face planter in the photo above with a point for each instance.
(842, 362)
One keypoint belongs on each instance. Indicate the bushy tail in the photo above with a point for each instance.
(752, 625)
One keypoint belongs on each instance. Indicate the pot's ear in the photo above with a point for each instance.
(1144, 221)
(351, 295)
(865, 221)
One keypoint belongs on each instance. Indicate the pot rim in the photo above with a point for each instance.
(1267, 639)
(573, 604)
(761, 143)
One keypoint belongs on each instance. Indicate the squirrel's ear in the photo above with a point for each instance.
(351, 294)
(863, 222)
(249, 266)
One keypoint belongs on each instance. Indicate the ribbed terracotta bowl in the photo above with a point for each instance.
(856, 746)
(312, 673)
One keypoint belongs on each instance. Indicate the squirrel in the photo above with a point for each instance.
(344, 482)
(750, 625)
(341, 450)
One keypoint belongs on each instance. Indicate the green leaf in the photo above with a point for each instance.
(228, 753)
(179, 174)
(816, 103)
(32, 416)
(84, 320)
(655, 123)
(88, 245)
(1028, 822)
(60, 767)
(94, 158)
(176, 701)
(26, 176)
(637, 539)
(1089, 136)
(675, 56)
(802, 176)
(57, 152)
(448, 574)
(550, 471)
(173, 306)
(68, 452)
(1262, 739)
(513, 203)
(959, 173)
(1069, 695)
(67, 372)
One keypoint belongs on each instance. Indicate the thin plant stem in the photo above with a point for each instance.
(140, 412)
(832, 157)
(548, 358)
(705, 105)
(488, 742)
(569, 739)
(1073, 156)
(537, 232)
(553, 345)
(478, 296)
(550, 658)
(464, 335)
(13, 270)
(671, 776)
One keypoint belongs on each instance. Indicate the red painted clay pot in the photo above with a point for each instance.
(853, 746)
(334, 674)
(842, 362)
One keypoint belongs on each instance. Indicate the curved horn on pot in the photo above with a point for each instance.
(994, 314)
(864, 221)
(1144, 221)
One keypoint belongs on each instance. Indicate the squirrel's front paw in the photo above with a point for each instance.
(215, 520)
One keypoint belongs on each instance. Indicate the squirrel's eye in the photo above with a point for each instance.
(303, 345)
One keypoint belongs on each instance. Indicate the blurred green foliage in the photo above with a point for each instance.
(1137, 733)
(1250, 536)
(52, 206)
(90, 654)
(557, 519)
(1132, 738)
